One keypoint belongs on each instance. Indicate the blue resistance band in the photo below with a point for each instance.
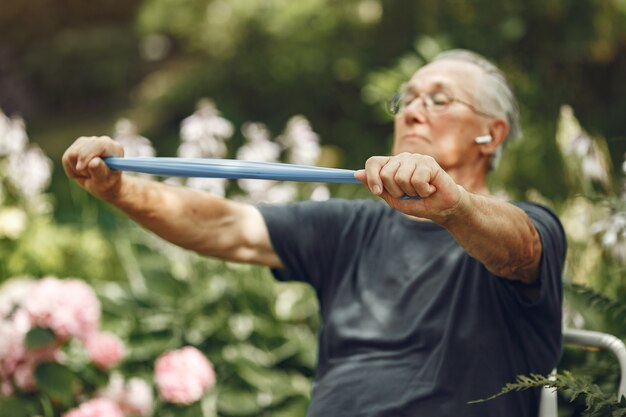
(233, 169)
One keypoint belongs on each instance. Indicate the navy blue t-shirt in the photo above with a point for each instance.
(411, 324)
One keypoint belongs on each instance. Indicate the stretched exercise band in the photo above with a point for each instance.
(233, 169)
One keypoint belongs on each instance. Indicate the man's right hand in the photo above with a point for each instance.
(83, 163)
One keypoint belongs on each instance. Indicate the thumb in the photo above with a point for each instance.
(361, 176)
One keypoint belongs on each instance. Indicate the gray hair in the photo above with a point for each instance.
(495, 95)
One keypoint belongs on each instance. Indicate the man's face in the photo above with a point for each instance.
(447, 135)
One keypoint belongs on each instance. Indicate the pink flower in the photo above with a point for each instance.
(134, 396)
(139, 397)
(12, 349)
(105, 349)
(98, 407)
(183, 375)
(68, 307)
(6, 389)
(23, 375)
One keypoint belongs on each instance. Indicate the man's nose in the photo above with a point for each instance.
(416, 111)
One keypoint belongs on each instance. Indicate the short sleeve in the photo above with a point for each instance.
(541, 328)
(553, 252)
(306, 236)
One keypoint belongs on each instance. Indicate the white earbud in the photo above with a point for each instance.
(483, 139)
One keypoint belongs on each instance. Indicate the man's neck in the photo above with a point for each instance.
(473, 179)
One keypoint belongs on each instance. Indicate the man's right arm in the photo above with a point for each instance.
(192, 219)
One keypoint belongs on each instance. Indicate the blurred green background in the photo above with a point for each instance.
(72, 68)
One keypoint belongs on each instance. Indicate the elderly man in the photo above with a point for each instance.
(427, 303)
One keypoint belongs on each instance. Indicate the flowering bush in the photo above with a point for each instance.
(47, 326)
(55, 359)
(31, 243)
(105, 349)
(97, 407)
(260, 335)
(205, 134)
(183, 375)
(69, 308)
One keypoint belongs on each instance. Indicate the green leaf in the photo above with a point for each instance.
(175, 410)
(92, 375)
(56, 381)
(40, 337)
(238, 402)
(294, 407)
(18, 407)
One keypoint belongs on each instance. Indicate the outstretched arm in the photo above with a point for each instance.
(498, 234)
(192, 219)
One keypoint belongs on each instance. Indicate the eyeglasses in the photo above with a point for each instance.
(435, 102)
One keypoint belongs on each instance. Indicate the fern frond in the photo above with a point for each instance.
(613, 311)
(597, 403)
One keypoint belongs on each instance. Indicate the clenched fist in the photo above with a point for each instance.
(83, 162)
(391, 177)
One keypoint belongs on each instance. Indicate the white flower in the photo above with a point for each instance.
(216, 186)
(13, 293)
(30, 171)
(594, 166)
(266, 191)
(578, 147)
(612, 231)
(13, 138)
(301, 141)
(258, 146)
(207, 130)
(13, 222)
(133, 143)
(195, 150)
(255, 187)
(281, 193)
(320, 193)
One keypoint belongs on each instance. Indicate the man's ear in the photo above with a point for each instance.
(498, 130)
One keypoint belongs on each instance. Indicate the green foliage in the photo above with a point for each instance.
(17, 407)
(260, 335)
(39, 337)
(597, 402)
(68, 68)
(50, 248)
(56, 381)
(107, 59)
(600, 311)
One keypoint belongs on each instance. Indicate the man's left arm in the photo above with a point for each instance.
(498, 234)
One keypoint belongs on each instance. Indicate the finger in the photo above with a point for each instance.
(421, 181)
(388, 176)
(99, 170)
(361, 176)
(404, 177)
(404, 205)
(97, 147)
(69, 162)
(373, 167)
(83, 149)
